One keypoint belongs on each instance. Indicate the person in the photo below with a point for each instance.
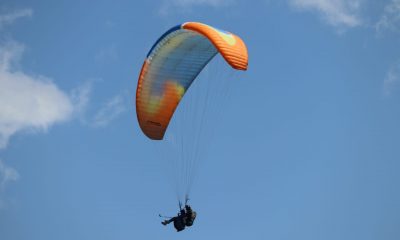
(184, 218)
(190, 216)
(179, 221)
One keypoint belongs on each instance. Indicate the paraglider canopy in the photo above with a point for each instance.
(171, 66)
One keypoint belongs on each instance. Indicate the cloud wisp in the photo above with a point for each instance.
(80, 98)
(187, 5)
(392, 79)
(112, 109)
(107, 54)
(7, 174)
(390, 20)
(9, 18)
(190, 3)
(339, 13)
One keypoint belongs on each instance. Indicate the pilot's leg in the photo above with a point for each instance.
(165, 222)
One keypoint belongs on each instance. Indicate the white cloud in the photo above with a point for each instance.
(338, 13)
(110, 111)
(187, 5)
(390, 19)
(9, 18)
(392, 79)
(27, 102)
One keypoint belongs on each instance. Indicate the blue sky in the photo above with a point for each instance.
(312, 150)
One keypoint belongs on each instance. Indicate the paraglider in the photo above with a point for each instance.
(185, 218)
(171, 66)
